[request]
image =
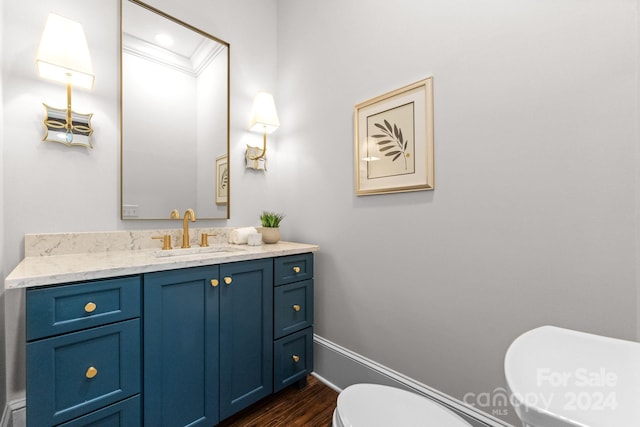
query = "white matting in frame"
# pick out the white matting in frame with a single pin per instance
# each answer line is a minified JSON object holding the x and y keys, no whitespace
{"x":394,"y":141}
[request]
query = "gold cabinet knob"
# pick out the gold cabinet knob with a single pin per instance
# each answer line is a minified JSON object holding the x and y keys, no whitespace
{"x":296,"y":307}
{"x":296,"y":269}
{"x":91,"y":372}
{"x":296,"y":358}
{"x":228,"y":280}
{"x":214,"y":282}
{"x":90,"y":307}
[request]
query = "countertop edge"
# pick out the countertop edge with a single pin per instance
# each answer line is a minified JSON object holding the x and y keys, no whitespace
{"x":51,"y":270}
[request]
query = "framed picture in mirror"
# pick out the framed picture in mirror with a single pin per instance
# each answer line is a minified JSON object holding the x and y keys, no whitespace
{"x":222,"y":180}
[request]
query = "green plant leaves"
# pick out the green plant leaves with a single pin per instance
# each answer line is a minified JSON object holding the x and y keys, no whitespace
{"x":271,"y":219}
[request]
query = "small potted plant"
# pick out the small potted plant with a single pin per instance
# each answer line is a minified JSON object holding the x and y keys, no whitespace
{"x":271,"y":226}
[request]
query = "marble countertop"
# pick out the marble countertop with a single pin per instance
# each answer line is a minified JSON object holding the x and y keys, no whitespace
{"x":72,"y":267}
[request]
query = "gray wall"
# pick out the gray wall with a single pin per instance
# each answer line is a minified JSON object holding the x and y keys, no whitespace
{"x":638,"y":176}
{"x":533,"y":220}
{"x":3,"y":365}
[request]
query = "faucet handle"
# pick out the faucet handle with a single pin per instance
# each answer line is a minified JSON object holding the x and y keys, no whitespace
{"x":204,"y":242}
{"x":166,"y":241}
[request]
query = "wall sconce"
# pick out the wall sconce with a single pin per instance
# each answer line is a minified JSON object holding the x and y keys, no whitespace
{"x":263,"y":119}
{"x":63,"y":56}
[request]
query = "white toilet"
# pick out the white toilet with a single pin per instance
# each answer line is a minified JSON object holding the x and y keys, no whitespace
{"x":563,"y":378}
{"x":373,"y":405}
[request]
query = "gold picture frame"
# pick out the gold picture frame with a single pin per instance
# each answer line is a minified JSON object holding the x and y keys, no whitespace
{"x":222,"y":180}
{"x":393,"y":137}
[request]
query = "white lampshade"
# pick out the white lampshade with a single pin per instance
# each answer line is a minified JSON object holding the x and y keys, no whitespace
{"x":63,"y":55}
{"x":264,"y":117}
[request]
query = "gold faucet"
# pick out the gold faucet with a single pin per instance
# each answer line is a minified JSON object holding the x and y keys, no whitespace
{"x":188,"y":214}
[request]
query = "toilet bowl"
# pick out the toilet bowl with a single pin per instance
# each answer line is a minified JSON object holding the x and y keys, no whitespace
{"x":563,"y":378}
{"x":373,"y":405}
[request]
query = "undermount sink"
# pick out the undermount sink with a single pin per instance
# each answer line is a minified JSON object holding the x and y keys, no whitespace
{"x":196,"y":251}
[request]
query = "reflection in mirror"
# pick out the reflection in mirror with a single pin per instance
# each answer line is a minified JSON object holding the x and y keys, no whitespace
{"x":175,"y":117}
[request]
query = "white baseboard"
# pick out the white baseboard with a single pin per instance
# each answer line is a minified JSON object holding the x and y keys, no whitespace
{"x":339,"y":367}
{"x":326,"y":382}
{"x":14,"y":414}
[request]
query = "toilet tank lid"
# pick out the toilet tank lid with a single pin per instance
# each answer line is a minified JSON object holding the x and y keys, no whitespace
{"x":562,"y":377}
{"x":374,"y":405}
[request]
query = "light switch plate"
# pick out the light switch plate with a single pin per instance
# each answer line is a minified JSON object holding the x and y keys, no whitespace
{"x":129,"y":211}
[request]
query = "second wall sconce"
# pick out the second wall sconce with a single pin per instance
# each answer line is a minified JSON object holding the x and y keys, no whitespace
{"x":63,"y":56}
{"x":264,"y":119}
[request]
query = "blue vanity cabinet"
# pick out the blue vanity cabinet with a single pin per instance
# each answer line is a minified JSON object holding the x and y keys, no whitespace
{"x":208,"y":340}
{"x":246,"y":334}
{"x":185,"y":347}
{"x":181,"y":336}
{"x":83,"y":352}
{"x":293,"y":320}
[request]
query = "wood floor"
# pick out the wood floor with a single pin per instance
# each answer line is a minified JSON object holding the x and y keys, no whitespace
{"x":311,"y":406}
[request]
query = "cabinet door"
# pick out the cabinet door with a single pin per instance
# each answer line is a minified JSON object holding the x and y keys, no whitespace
{"x":293,"y":268}
{"x":181,"y":347}
{"x":61,"y":309}
{"x":246,"y":334}
{"x":293,"y":358}
{"x":293,"y":308}
{"x":121,"y":414}
{"x":73,"y":374}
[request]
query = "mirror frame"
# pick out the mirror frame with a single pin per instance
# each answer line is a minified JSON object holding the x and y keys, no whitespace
{"x":204,"y":34}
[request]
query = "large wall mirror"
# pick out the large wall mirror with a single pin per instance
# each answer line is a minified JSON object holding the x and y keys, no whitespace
{"x":174,"y":117}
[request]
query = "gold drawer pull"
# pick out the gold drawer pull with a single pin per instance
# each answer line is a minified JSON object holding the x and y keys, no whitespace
{"x":296,"y":358}
{"x":228,"y":280}
{"x":296,"y":307}
{"x":91,"y":372}
{"x":296,"y":269}
{"x":214,"y":282}
{"x":90,"y":307}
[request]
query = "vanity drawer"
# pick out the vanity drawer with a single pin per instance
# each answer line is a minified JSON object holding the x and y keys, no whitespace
{"x":122,"y":414}
{"x":292,"y":268}
{"x":68,"y":308}
{"x":293,"y":358}
{"x":293,"y":307}
{"x":71,"y":375}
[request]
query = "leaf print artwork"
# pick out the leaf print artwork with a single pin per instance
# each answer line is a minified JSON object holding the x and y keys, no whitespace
{"x":391,"y":142}
{"x":224,"y":179}
{"x":392,"y":139}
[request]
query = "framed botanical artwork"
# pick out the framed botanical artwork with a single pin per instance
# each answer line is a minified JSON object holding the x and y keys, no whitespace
{"x":222,"y":180}
{"x":394,"y":141}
